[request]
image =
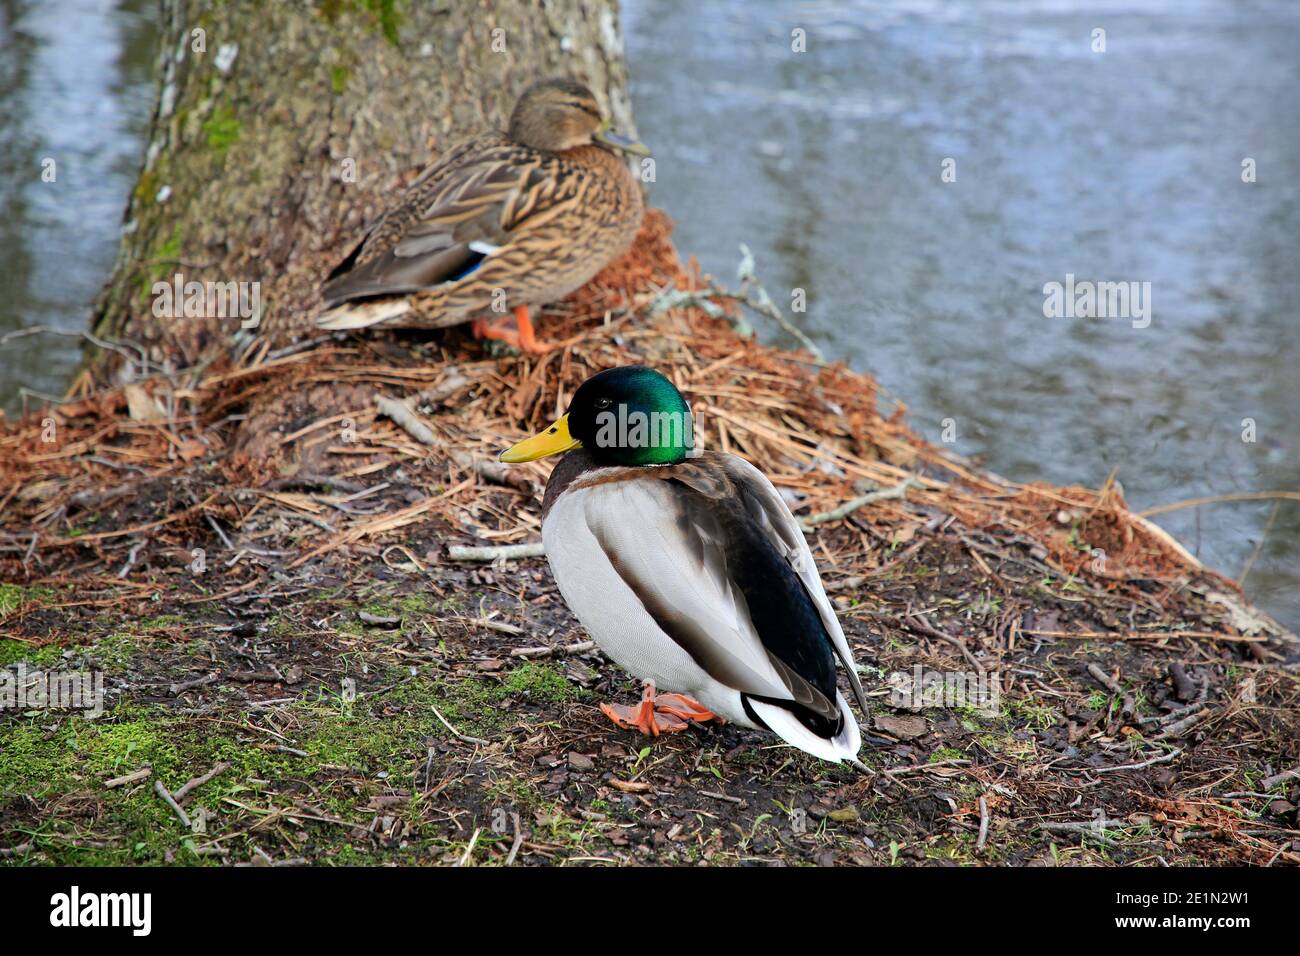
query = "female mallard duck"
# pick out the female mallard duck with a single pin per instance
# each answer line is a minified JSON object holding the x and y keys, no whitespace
{"x":505,"y":220}
{"x":689,"y":570}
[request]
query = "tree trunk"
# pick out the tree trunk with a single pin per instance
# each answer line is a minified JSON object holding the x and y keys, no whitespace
{"x":282,"y":128}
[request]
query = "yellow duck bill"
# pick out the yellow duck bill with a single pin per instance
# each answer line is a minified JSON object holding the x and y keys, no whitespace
{"x":552,"y":441}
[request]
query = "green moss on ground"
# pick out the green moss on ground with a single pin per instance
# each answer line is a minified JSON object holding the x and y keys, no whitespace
{"x":356,"y":750}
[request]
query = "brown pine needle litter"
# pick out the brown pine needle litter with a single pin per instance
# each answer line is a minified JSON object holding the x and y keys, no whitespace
{"x":816,"y":431}
{"x":254,"y":480}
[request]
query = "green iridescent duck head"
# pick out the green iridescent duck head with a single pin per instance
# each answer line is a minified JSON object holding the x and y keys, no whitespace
{"x":623,"y":416}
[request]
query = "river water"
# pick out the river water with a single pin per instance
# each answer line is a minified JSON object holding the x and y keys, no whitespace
{"x":1114,"y":165}
{"x":76,"y":87}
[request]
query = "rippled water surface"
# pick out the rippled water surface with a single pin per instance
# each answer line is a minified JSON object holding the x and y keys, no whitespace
{"x":1122,"y":165}
{"x":76,"y":87}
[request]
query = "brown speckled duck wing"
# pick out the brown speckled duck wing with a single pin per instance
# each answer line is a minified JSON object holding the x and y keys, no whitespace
{"x":585,"y":211}
{"x":457,"y":212}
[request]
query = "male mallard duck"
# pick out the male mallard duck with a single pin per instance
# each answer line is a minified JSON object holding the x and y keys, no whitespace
{"x":504,"y":220}
{"x":689,"y":570}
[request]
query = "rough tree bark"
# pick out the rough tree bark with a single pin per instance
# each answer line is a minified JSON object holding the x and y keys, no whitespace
{"x":281,"y":128}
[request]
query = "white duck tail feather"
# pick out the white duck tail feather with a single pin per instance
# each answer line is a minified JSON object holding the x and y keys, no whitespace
{"x":360,"y":315}
{"x":844,"y":746}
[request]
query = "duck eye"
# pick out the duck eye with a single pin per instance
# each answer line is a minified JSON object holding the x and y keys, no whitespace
{"x":603,"y":403}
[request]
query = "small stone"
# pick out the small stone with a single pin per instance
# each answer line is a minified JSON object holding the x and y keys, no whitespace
{"x":904,"y":727}
{"x":579,"y":761}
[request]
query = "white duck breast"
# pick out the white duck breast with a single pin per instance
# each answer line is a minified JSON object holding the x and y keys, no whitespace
{"x":697,"y":577}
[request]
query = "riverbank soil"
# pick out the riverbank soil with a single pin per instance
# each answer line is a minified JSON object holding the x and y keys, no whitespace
{"x":297,"y":671}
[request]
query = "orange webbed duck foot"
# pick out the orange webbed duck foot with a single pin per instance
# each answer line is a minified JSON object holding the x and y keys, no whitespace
{"x":522,"y":336}
{"x":662,"y":714}
{"x":687,"y":708}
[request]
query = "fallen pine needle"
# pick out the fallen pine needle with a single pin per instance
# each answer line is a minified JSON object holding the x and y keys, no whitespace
{"x":1217,"y":499}
{"x":1143,"y":636}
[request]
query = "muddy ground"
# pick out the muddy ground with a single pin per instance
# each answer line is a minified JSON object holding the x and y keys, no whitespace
{"x":368,"y":711}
